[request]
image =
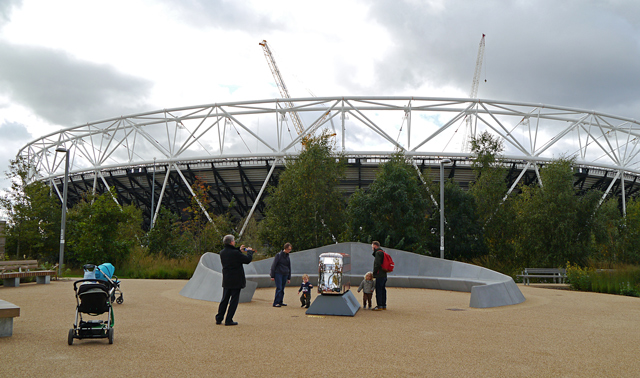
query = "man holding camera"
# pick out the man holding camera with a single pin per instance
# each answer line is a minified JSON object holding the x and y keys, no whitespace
{"x":233,"y":279}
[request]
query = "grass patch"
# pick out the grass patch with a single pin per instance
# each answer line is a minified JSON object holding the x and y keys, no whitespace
{"x":143,"y":265}
{"x":621,"y":280}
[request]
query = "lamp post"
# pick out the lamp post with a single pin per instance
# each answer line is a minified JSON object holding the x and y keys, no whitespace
{"x":442,"y":163}
{"x":64,"y":207}
{"x":153,"y":195}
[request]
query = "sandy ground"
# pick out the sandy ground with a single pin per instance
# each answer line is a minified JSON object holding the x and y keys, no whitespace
{"x":555,"y":333}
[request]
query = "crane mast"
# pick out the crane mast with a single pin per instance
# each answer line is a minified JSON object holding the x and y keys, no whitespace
{"x":476,"y":75}
{"x":284,"y":92}
{"x":468,"y":132}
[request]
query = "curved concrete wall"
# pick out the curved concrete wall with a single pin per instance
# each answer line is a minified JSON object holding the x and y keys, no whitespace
{"x":488,"y":288}
{"x":206,"y":283}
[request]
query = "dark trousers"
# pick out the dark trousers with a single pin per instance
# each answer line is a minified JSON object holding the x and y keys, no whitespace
{"x":366,"y":297}
{"x":305,"y":299}
{"x":381,"y":292}
{"x":230,"y":297}
{"x":281,"y":282}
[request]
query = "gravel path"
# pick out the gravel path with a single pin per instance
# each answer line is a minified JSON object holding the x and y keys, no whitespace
{"x":555,"y":333}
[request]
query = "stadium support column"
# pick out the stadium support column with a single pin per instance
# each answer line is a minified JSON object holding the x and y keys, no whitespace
{"x":257,"y":200}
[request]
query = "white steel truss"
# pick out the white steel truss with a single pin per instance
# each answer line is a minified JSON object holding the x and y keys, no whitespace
{"x":422,"y":127}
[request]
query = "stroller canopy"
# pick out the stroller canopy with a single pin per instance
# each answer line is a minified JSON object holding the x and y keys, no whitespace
{"x":107,"y":269}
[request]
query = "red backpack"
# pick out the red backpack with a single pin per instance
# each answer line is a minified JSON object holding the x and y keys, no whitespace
{"x":387,"y":263}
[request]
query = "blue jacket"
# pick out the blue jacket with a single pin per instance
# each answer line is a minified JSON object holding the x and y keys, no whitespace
{"x":305,"y":288}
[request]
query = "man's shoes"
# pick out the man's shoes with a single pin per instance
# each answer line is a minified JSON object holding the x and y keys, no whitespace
{"x":307,"y":306}
{"x":276,"y":305}
{"x":283,"y":304}
{"x":379,"y":308}
{"x":302,"y":305}
{"x":218,"y":323}
{"x":231,"y":323}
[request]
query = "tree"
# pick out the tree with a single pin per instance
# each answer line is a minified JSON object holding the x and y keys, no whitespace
{"x":489,"y":186}
{"x":201,"y":234}
{"x":463,"y":230}
{"x":196,"y":235}
{"x":33,"y":216}
{"x":306,"y":208}
{"x":610,"y":234}
{"x":555,"y":224}
{"x":165,"y":238}
{"x":100,"y":231}
{"x":629,"y":251}
{"x":393,"y":209}
{"x":494,"y":214}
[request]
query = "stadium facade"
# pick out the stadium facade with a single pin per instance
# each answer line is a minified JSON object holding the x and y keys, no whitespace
{"x":239,"y":148}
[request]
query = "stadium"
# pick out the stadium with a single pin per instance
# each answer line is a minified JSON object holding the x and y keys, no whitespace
{"x":239,"y":148}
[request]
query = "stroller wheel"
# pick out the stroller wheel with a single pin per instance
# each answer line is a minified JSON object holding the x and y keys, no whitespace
{"x":70,"y":339}
{"x":110,"y":334}
{"x":120,"y":299}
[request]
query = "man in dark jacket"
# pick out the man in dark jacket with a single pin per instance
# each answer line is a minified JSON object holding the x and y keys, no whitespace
{"x":381,"y":277}
{"x":281,"y":274}
{"x":233,"y":279}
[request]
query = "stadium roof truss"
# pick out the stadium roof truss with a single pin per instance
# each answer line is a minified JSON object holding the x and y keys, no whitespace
{"x":237,"y":148}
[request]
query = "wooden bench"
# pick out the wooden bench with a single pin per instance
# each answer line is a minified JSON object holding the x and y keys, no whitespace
{"x":12,"y":271}
{"x":8,"y":311}
{"x":558,"y":275}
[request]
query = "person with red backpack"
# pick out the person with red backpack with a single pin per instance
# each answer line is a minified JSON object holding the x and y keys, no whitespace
{"x":380,"y":275}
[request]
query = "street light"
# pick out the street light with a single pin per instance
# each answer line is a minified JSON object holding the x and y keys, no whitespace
{"x":64,"y":207}
{"x":442,"y":163}
{"x":153,"y":195}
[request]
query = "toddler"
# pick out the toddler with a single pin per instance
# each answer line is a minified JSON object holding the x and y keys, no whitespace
{"x":367,"y":286}
{"x":305,"y":288}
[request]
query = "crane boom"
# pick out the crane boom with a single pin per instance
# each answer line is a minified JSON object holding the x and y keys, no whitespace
{"x":468,"y":131}
{"x":284,"y":92}
{"x":476,"y":75}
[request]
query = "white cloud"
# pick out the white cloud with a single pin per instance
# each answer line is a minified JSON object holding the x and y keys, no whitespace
{"x":67,"y":62}
{"x":14,"y":137}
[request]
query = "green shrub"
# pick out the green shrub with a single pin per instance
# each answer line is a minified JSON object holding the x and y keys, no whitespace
{"x":623,"y":280}
{"x":579,"y":278}
{"x":143,"y":265}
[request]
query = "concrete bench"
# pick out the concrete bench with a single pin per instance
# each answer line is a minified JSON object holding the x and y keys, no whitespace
{"x":25,"y":268}
{"x":8,"y":311}
{"x":558,"y":275}
{"x":422,"y":282}
{"x":487,"y":288}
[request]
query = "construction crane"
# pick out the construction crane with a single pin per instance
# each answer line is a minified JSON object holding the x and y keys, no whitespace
{"x":473,"y":94}
{"x":284,"y":92}
{"x":476,"y":75}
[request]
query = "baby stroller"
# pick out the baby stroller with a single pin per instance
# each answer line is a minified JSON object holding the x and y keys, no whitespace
{"x":92,"y":298}
{"x":104,"y":273}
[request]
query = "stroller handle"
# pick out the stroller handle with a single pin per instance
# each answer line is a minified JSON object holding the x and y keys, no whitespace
{"x":75,"y":284}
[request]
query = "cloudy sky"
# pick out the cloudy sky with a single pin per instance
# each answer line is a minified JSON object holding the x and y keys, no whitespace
{"x":68,"y":62}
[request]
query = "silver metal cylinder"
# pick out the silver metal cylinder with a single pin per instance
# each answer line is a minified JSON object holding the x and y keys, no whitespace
{"x":334,"y":271}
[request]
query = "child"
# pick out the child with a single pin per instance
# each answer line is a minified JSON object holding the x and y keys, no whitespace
{"x":305,"y":287}
{"x":367,"y":286}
